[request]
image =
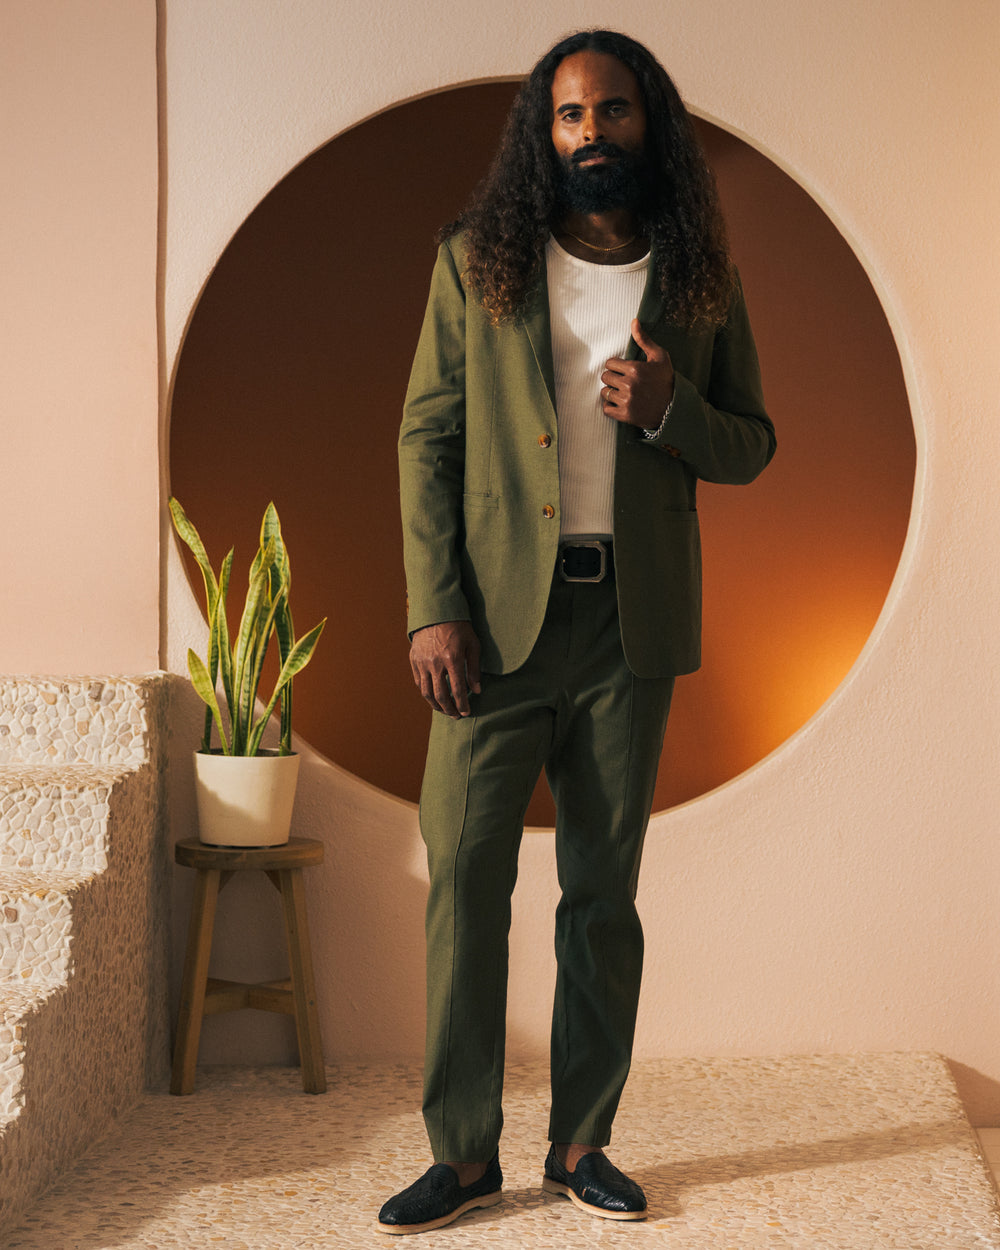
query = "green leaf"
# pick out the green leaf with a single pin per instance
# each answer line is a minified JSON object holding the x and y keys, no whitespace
{"x":251,"y":744}
{"x":189,"y":535}
{"x":251,"y":644}
{"x":301,"y":654}
{"x":270,"y":527}
{"x":206,"y":691}
{"x":218,"y":610}
{"x":281,"y":577}
{"x":299,"y":657}
{"x":221,"y":633}
{"x":285,"y":740}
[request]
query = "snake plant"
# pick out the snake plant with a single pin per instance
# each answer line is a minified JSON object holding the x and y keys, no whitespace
{"x":239,"y":663}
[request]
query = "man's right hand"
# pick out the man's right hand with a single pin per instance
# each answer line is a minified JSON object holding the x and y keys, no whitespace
{"x":445,"y":663}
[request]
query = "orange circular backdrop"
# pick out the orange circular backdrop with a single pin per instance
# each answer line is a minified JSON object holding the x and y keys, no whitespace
{"x":290,"y":385}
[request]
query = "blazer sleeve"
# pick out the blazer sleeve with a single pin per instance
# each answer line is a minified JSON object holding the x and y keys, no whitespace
{"x":432,"y":455}
{"x":722,"y":430}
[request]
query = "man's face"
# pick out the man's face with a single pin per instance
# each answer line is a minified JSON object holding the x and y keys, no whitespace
{"x":598,"y":132}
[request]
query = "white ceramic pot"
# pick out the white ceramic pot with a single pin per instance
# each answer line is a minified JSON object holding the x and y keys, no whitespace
{"x":245,"y":800}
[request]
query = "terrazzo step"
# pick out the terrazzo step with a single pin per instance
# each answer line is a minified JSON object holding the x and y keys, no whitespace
{"x":54,"y":817}
{"x":36,"y":922}
{"x":40,"y":920}
{"x":75,"y":720}
{"x":55,"y":824}
{"x":19,"y":1003}
{"x":83,"y":1024}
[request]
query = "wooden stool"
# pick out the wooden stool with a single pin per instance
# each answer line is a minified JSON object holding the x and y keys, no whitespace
{"x":202,"y":995}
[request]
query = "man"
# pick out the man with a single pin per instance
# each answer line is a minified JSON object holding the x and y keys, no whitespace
{"x":585,"y":358}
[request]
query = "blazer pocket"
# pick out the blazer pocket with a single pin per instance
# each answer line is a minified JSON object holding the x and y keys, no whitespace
{"x":679,"y":539}
{"x":478,"y":502}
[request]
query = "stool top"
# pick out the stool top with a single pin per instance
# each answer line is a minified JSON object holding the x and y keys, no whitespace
{"x":295,"y":853}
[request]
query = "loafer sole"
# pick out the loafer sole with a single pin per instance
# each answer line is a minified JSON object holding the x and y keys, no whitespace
{"x":557,"y":1187}
{"x":486,"y":1200}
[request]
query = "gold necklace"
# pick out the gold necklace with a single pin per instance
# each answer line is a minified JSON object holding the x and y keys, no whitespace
{"x":594,"y":247}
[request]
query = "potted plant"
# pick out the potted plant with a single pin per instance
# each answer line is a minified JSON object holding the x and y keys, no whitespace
{"x":245,"y":792}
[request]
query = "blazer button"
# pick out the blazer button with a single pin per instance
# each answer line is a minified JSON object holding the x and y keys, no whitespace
{"x":548,"y":512}
{"x":544,"y":440}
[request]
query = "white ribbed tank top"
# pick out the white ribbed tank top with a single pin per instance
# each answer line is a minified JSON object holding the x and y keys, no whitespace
{"x":590,"y":310}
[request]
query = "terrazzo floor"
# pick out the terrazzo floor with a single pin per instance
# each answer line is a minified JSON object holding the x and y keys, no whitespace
{"x":818,"y":1153}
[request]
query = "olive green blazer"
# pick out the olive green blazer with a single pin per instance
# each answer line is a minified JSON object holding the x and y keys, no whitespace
{"x":479,"y":475}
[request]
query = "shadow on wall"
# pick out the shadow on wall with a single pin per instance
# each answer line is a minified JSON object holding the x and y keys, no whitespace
{"x":293,"y":373}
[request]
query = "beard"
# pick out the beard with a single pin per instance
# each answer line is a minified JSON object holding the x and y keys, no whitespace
{"x":623,"y":183}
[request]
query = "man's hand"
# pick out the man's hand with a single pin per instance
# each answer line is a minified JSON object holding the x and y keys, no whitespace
{"x":445,"y":663}
{"x":638,"y":392}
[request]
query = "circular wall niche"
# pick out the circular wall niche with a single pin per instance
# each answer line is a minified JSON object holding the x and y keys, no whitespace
{"x":290,"y":384}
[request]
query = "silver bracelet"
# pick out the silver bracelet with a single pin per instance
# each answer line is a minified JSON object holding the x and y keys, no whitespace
{"x":651,"y":434}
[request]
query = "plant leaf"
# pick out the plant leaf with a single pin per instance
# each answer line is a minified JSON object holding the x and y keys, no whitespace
{"x":299,"y":657}
{"x":221,"y":633}
{"x":251,"y":644}
{"x":206,"y":691}
{"x":281,"y":576}
{"x":270,"y":527}
{"x":254,"y":679}
{"x":189,"y":535}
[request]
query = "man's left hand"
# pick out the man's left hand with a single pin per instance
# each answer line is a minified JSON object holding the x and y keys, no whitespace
{"x":638,"y":392}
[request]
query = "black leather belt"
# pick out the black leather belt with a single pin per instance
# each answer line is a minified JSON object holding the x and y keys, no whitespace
{"x":585,"y":560}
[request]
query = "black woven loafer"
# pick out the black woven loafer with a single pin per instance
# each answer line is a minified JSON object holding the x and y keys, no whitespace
{"x":596,"y":1186}
{"x":437,"y":1199}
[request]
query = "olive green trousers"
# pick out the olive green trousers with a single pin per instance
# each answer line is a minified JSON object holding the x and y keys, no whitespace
{"x":577,"y":710}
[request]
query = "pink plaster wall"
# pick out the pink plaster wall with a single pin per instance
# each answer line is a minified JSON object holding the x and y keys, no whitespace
{"x":78,"y":361}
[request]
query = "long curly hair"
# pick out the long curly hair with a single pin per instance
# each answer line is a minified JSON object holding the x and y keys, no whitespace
{"x":510,"y":215}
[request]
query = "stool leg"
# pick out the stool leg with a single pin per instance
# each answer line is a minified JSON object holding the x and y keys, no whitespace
{"x":192,"y":1008}
{"x":293,"y":900}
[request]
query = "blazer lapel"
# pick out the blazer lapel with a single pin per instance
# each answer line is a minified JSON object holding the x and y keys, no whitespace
{"x":535,"y":320}
{"x":650,"y":309}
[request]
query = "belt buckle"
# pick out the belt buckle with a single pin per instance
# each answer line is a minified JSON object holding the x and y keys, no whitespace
{"x":596,"y":545}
